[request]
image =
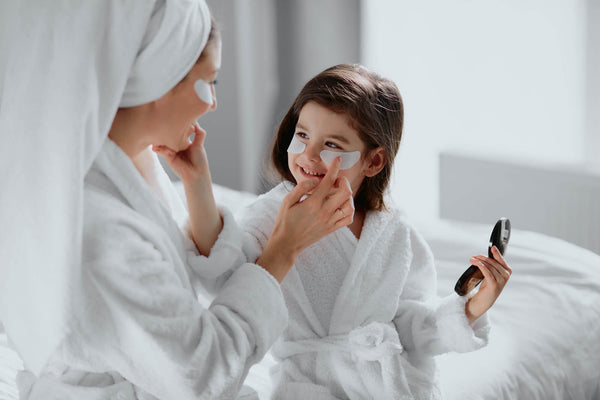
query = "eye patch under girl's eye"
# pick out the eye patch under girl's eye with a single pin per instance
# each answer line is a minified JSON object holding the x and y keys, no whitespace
{"x":348,"y":158}
{"x":296,"y":146}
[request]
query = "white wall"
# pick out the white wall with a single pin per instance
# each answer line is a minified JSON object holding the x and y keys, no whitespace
{"x":503,"y":78}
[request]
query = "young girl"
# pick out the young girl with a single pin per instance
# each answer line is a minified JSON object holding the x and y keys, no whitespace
{"x":364,"y":319}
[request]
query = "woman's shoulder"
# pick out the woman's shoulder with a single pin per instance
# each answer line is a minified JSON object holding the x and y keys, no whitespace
{"x":108,"y":217}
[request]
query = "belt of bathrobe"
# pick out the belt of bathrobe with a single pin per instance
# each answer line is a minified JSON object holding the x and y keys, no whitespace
{"x":383,"y":346}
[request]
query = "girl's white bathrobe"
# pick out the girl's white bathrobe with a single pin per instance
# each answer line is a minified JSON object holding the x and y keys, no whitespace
{"x":371,"y":327}
{"x":141,"y":332}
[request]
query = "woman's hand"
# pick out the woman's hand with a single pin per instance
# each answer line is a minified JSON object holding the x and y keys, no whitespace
{"x":191,"y":164}
{"x":300,"y":223}
{"x":496,"y":273}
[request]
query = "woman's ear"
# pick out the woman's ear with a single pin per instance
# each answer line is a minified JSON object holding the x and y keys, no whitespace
{"x":376,"y":160}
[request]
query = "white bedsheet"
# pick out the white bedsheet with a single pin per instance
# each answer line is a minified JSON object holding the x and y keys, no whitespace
{"x":545,"y":339}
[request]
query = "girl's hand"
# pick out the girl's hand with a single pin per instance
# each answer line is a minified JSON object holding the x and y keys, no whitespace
{"x":496,"y":273}
{"x":190,"y":164}
{"x":300,"y":223}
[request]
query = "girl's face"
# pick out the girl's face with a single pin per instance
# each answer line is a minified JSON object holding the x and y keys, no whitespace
{"x":177,"y":110}
{"x":319,"y":129}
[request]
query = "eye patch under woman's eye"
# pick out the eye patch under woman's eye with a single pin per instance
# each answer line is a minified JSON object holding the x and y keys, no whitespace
{"x":204,"y":91}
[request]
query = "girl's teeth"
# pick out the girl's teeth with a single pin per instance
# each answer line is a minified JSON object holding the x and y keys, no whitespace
{"x":311,"y":173}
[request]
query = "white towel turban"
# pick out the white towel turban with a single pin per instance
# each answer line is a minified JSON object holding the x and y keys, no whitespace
{"x":65,"y":68}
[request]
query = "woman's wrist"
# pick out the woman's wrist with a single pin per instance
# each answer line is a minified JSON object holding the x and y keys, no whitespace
{"x":277,"y":259}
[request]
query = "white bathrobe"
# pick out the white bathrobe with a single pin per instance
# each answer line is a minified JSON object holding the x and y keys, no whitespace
{"x":382,"y":324}
{"x":141,"y":332}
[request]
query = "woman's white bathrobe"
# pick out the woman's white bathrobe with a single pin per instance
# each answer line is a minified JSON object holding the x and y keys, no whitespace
{"x":141,"y":331}
{"x":386,"y":323}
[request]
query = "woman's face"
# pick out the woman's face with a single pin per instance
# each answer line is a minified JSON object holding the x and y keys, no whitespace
{"x":319,"y":129}
{"x":178,"y":110}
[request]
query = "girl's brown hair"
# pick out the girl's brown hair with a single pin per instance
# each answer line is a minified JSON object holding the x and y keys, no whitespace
{"x":375,"y":109}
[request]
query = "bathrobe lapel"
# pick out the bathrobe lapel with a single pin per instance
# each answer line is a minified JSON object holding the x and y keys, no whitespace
{"x":306,"y":323}
{"x":160,"y":205}
{"x":370,"y":289}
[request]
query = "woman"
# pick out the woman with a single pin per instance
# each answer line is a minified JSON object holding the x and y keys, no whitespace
{"x":138,"y":330}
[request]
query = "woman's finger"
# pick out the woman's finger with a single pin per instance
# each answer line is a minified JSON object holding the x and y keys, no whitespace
{"x":347,"y":220}
{"x":328,"y":181}
{"x":299,"y":191}
{"x":340,"y":197}
{"x":163,"y":151}
{"x":345,"y":210}
{"x":199,"y":135}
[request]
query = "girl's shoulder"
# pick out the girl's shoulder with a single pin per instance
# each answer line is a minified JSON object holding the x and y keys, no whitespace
{"x":394,"y":225}
{"x":265,"y":206}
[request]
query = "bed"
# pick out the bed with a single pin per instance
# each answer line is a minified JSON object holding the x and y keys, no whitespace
{"x":545,"y":339}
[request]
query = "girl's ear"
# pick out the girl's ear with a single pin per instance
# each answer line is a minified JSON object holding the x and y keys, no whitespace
{"x":376,"y":160}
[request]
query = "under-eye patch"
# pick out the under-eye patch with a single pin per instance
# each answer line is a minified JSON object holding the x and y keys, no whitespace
{"x":348,"y":158}
{"x":296,"y":146}
{"x":204,"y":92}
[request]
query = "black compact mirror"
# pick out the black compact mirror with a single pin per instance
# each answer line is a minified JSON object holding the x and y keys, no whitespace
{"x":472,"y":277}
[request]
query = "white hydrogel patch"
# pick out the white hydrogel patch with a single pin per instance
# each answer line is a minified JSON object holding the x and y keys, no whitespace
{"x":203,"y":91}
{"x":296,"y":146}
{"x":348,"y":158}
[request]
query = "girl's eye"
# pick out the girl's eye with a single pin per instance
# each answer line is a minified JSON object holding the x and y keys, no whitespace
{"x":213,"y":82}
{"x":302,"y":135}
{"x":332,"y":145}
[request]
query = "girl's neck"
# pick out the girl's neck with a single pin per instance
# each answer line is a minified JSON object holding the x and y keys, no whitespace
{"x":357,"y":224}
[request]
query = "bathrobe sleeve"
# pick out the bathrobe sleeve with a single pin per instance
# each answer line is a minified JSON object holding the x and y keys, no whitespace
{"x":227,"y":254}
{"x":138,"y":318}
{"x":427,"y":324}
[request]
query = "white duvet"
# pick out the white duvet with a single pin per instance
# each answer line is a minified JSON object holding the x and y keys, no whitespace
{"x":545,"y":338}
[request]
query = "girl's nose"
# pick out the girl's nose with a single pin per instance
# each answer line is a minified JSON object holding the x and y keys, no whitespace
{"x":313,"y":152}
